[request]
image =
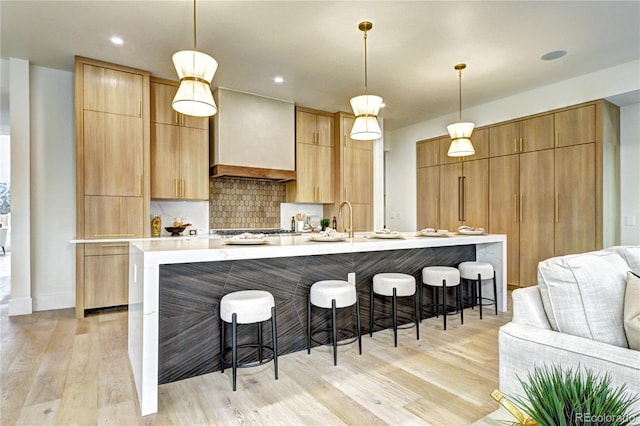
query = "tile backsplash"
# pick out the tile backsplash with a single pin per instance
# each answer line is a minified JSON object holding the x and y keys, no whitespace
{"x":245,"y":203}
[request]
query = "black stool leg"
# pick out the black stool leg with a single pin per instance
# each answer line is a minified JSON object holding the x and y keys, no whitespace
{"x":459,"y":303}
{"x":308,"y":325}
{"x":434,"y":300}
{"x":234,"y":348}
{"x":480,"y":294}
{"x":334,"y":331}
{"x":274,"y":337}
{"x":371,"y":312}
{"x":417,"y":309}
{"x":222,"y":327}
{"x":495,"y":292}
{"x":421,"y":303}
{"x":358,"y":326}
{"x":395,"y":318}
{"x":260,"y":341}
{"x":444,"y":303}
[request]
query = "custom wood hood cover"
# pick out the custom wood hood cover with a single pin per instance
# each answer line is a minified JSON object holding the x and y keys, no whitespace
{"x":252,"y":136}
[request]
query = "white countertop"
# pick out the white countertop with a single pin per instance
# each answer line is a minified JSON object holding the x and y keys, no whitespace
{"x":181,"y":250}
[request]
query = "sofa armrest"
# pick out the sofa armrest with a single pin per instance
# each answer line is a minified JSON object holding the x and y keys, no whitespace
{"x":528,"y":307}
{"x":522,"y":346}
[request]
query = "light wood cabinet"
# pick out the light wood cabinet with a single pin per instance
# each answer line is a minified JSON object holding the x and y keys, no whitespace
{"x":547,"y":186}
{"x":575,"y":203}
{"x":112,"y":177}
{"x":106,"y":281}
{"x":532,"y":134}
{"x":353,"y":181}
{"x":162,"y":94}
{"x":179,"y":148}
{"x":575,"y":126}
{"x":179,"y":162}
{"x":113,"y":154}
{"x":428,"y":182}
{"x":314,"y":158}
{"x":464,"y":194}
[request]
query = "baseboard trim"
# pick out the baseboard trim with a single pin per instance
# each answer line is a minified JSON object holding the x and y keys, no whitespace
{"x":20,"y":306}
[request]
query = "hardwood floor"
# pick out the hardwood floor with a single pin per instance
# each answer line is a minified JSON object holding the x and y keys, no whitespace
{"x":56,"y":369}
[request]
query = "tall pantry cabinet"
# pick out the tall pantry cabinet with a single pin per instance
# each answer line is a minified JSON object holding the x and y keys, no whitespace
{"x":353,"y":162}
{"x":112,"y":177}
{"x":552,"y":185}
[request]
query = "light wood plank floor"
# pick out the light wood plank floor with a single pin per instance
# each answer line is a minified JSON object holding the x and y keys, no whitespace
{"x":59,"y":370}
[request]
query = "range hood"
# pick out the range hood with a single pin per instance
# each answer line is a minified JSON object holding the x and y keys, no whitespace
{"x":252,"y":136}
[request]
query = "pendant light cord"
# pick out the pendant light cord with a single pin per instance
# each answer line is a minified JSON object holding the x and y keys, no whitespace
{"x":460,"y":94}
{"x":366,"y":92}
{"x":194,"y":25}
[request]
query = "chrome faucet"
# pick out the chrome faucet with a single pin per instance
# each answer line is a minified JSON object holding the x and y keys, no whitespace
{"x":350,"y":228}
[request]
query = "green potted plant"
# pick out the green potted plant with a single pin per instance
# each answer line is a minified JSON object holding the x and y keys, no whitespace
{"x":555,"y":396}
{"x":324,"y":223}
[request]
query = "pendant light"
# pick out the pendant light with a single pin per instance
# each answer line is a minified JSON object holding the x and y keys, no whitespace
{"x":460,"y":132}
{"x":195,"y":71}
{"x":366,"y":107}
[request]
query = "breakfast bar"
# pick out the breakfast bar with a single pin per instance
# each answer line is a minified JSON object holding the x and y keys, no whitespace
{"x":175,"y":285}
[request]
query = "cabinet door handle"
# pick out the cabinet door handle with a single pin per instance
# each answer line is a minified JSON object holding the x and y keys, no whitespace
{"x":175,"y":187}
{"x":521,"y":198}
{"x":459,"y":198}
{"x":176,"y":118}
{"x":557,"y":205}
{"x":437,"y":158}
{"x":557,"y":141}
{"x":515,"y":208}
{"x":464,"y":181}
{"x":515,"y":145}
{"x":139,"y":107}
{"x":520,"y":144}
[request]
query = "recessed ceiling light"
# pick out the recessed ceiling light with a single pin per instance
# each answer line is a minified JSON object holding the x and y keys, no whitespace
{"x":117,"y":41}
{"x":550,"y":56}
{"x":278,"y":79}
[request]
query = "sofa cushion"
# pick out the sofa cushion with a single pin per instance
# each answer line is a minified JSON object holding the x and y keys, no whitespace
{"x":632,"y":311}
{"x":631,"y":254}
{"x":583,"y":295}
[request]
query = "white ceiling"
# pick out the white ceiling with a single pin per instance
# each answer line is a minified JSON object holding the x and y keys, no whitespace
{"x":317,"y":47}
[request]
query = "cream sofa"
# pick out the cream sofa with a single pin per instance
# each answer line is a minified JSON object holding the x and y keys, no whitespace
{"x":573,"y":317}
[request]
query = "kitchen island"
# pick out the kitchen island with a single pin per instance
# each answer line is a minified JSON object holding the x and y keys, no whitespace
{"x":175,"y":286}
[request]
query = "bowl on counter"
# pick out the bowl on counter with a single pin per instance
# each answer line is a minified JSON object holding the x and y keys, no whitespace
{"x":176,"y":231}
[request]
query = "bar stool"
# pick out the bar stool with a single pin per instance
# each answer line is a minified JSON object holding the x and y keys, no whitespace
{"x":475,"y":273}
{"x":247,"y":307}
{"x":393,"y":285}
{"x":334,"y":294}
{"x":442,"y":277}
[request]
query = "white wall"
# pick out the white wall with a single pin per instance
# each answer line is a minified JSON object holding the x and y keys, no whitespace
{"x":401,"y":157}
{"x":630,"y":174}
{"x":20,"y":302}
{"x":53,"y":185}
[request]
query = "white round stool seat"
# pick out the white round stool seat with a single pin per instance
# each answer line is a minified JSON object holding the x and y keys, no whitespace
{"x":250,"y":306}
{"x":384,"y":284}
{"x":470,"y":270}
{"x":323,"y":292}
{"x":433,"y":276}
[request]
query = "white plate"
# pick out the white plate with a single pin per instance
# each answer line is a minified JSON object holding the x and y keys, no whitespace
{"x":333,"y":238}
{"x":433,"y":234}
{"x":467,"y":232}
{"x":391,"y":235}
{"x":246,"y":241}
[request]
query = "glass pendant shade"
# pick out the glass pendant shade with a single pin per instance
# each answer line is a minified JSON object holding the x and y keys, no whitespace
{"x":366,"y":126}
{"x":195,"y":71}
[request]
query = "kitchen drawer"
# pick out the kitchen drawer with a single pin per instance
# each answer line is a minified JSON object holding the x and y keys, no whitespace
{"x":101,"y":249}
